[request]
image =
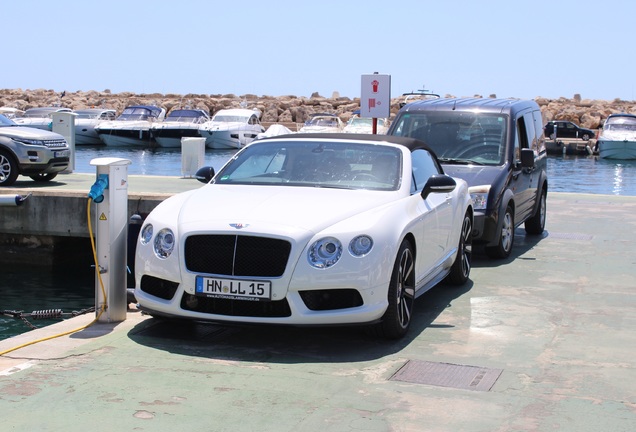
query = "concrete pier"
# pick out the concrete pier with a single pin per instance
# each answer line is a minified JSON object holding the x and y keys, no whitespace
{"x":543,"y":341}
{"x":54,"y":214}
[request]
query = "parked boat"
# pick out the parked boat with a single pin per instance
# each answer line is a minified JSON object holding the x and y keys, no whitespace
{"x":322,"y":123}
{"x":231,"y":128}
{"x":618,"y":137}
{"x":274,"y":130}
{"x":39,"y":118}
{"x":85,"y":122}
{"x":364,"y":125}
{"x":418,"y":95}
{"x":178,"y":124}
{"x":11,"y":113}
{"x":132,"y":127}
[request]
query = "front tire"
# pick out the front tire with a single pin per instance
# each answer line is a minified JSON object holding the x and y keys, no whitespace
{"x":460,"y":271}
{"x":8,"y":169}
{"x":536,"y":224}
{"x":506,"y":237}
{"x":401,"y":295}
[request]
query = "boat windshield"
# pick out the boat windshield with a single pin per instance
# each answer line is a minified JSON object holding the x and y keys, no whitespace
{"x":230,"y":118}
{"x":364,"y":121}
{"x":136,"y":113}
{"x":627,"y":125}
{"x":4,"y":121}
{"x":458,"y":137}
{"x":43,"y":112}
{"x":622,"y":127}
{"x":322,"y":121}
{"x":311,"y":163}
{"x":187,"y":116}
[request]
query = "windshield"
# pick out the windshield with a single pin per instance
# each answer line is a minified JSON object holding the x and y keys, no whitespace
{"x":322,"y":121}
{"x":315,"y":164}
{"x":620,"y":124}
{"x":5,"y":121}
{"x":458,"y":137}
{"x":187,"y":116}
{"x":230,"y":118}
{"x":361,"y":121}
{"x":137,"y":113}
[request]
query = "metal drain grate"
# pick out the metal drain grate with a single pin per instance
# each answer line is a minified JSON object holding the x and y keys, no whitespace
{"x":571,"y":236}
{"x":447,"y":375}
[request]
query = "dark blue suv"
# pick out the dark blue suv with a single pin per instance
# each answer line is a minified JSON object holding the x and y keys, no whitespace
{"x":498,"y":147}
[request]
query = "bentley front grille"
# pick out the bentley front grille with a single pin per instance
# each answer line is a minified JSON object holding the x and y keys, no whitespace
{"x":236,"y":255}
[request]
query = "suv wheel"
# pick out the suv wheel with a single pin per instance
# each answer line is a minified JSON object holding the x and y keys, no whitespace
{"x":43,"y":177}
{"x":506,"y":237}
{"x":536,"y":224}
{"x":8,"y":169}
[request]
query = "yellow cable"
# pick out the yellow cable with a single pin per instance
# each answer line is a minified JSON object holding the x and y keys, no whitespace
{"x":101,"y":284}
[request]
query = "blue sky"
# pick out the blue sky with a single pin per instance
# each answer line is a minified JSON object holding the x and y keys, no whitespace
{"x":275,"y":48}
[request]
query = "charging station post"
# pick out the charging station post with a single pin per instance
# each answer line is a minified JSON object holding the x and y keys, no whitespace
{"x":110,"y":193}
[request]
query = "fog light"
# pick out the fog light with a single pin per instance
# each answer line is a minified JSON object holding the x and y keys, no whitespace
{"x":191,"y":301}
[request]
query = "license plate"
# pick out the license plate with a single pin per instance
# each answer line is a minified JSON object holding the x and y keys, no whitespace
{"x":62,"y":153}
{"x":234,"y":289}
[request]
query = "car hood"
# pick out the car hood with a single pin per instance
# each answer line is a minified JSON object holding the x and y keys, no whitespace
{"x":474,"y":175}
{"x":273,"y":209}
{"x":28,"y":133}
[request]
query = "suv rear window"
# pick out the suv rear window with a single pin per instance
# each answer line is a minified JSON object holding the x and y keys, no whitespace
{"x":461,"y":136}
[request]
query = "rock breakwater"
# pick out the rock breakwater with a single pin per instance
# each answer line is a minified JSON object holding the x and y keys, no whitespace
{"x":287,"y":109}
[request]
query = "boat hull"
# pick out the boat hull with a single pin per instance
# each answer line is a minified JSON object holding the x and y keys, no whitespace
{"x":220,"y":140}
{"x":229,"y":138}
{"x":171,"y":138}
{"x":87,"y":138}
{"x":126,"y":137}
{"x":624,"y":150}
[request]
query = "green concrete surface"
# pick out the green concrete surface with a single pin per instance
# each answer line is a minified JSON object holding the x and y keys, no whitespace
{"x":557,"y":318}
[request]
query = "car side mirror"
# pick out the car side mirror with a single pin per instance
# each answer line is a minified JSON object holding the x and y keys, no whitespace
{"x":527,"y":158}
{"x":204,"y":174}
{"x":440,"y":183}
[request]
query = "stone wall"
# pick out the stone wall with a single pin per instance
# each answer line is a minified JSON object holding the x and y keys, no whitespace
{"x":288,"y":109}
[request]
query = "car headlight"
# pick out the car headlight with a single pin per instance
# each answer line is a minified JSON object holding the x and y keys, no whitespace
{"x":27,"y":141}
{"x":361,"y":245}
{"x":164,"y":243}
{"x":146,"y":234}
{"x":479,"y":195}
{"x":325,"y":252}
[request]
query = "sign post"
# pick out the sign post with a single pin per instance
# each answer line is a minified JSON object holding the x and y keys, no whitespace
{"x":375,"y":97}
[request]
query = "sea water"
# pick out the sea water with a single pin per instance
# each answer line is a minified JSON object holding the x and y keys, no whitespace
{"x":73,"y":289}
{"x":578,"y":174}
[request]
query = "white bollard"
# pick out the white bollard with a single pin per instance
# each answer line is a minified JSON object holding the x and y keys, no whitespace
{"x":110,"y":193}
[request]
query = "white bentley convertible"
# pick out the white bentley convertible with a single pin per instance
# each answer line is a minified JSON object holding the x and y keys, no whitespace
{"x":309,"y":229}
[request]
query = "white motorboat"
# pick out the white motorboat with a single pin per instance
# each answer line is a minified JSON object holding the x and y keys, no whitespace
{"x":618,"y":137}
{"x":85,"y":122}
{"x":322,"y":123}
{"x":178,"y":124}
{"x":418,"y":95}
{"x":132,"y":127}
{"x":274,"y":130}
{"x":364,"y":125}
{"x":231,"y":128}
{"x":39,"y":118}
{"x":11,"y":113}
